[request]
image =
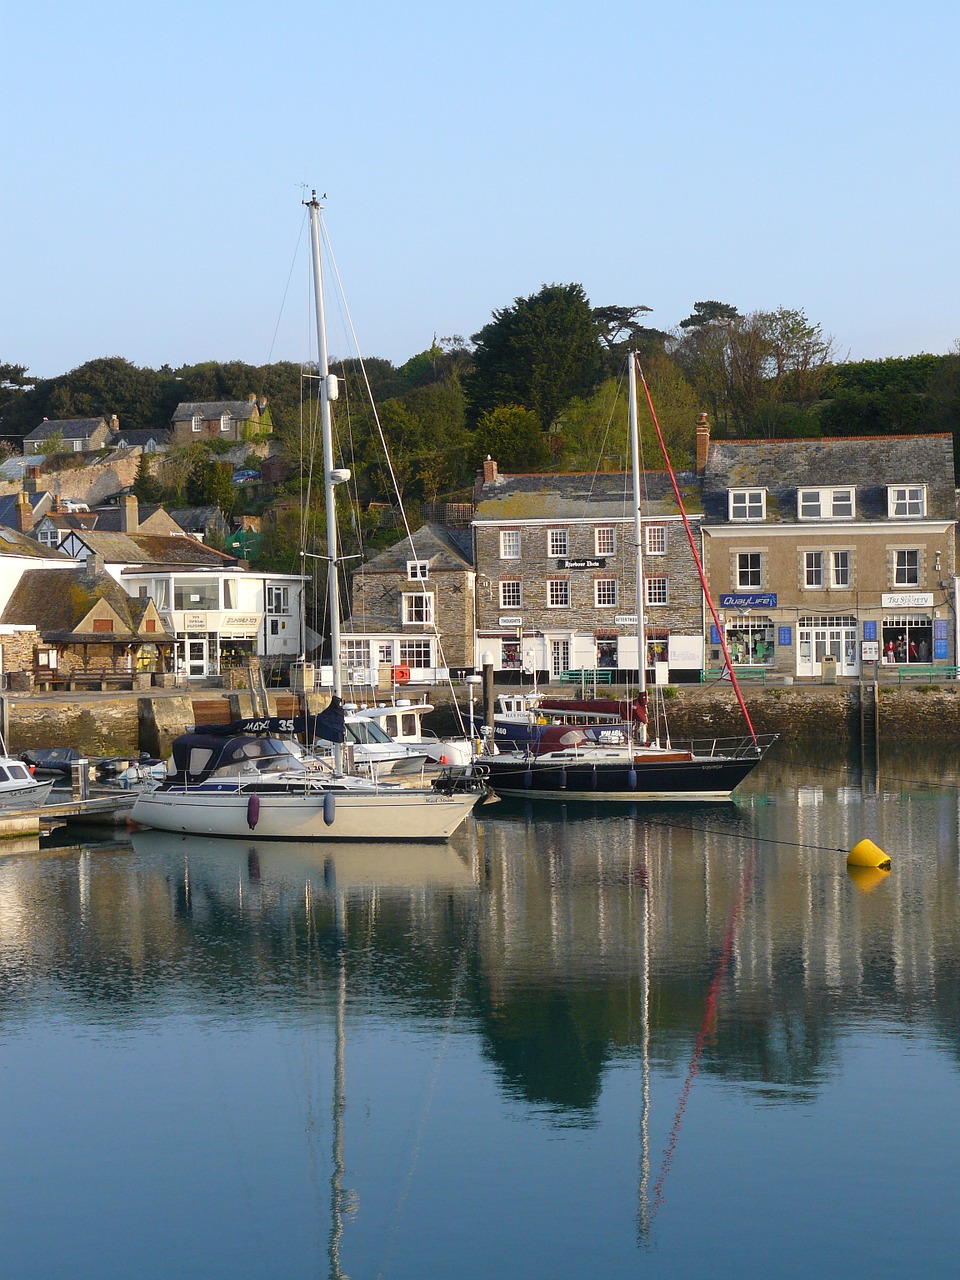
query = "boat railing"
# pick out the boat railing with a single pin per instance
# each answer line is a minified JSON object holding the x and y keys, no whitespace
{"x":738,"y":748}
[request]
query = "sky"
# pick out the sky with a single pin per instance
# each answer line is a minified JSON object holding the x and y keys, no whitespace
{"x":763,"y":153}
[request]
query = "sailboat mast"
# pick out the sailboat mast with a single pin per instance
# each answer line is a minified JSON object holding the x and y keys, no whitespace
{"x":327,"y":393}
{"x":637,"y":522}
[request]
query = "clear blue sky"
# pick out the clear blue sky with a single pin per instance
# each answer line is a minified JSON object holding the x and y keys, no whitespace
{"x":760,"y":152}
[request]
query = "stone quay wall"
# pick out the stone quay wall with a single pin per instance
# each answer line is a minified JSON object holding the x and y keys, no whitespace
{"x":112,"y":724}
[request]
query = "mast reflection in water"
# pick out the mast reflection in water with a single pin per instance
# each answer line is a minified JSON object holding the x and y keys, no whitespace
{"x":570,"y":1043}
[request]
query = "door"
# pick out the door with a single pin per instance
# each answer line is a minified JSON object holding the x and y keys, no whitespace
{"x":835,"y":640}
{"x":559,"y":656}
{"x":196,"y":657}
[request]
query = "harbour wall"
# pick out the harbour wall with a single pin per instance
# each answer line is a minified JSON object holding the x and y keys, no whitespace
{"x":112,"y":724}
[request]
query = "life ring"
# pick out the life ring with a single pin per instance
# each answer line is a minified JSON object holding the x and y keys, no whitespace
{"x":400,"y":675}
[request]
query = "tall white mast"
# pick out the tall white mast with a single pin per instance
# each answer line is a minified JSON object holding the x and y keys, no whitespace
{"x":637,"y":525}
{"x":331,"y":477}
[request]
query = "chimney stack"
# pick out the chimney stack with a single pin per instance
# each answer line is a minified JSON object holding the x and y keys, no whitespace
{"x":93,"y":566}
{"x":129,"y":513}
{"x":490,"y":472}
{"x":703,"y":443}
{"x":24,"y":513}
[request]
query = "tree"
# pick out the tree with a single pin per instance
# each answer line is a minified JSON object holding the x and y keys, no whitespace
{"x":145,"y":485}
{"x":538,"y":354}
{"x":709,"y":313}
{"x":512,"y":436}
{"x":620,"y":331}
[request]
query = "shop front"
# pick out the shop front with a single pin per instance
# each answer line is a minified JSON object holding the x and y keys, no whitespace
{"x":833,"y":636}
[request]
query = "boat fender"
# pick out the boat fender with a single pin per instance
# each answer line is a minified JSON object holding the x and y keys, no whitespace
{"x":563,"y":780}
{"x":253,"y":811}
{"x":632,"y":779}
{"x":329,"y":808}
{"x":528,"y":779}
{"x":866,"y":854}
{"x":593,"y":778}
{"x":444,"y":760}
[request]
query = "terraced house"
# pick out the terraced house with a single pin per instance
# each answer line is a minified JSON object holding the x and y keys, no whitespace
{"x":556,"y":574}
{"x":831,"y":555}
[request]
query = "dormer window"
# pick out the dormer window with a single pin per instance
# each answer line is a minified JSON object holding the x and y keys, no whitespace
{"x":906,"y":500}
{"x":825,"y":504}
{"x":747,"y":504}
{"x":418,"y":570}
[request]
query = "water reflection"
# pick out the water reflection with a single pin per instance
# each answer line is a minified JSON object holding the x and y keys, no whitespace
{"x":724,"y":942}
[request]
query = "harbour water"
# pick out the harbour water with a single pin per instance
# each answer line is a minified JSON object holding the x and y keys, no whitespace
{"x":666,"y":1042}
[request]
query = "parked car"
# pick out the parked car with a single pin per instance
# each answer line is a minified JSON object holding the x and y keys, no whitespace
{"x":245,"y":477}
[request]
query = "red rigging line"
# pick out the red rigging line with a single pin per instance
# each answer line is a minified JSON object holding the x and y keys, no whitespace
{"x":728,"y":665}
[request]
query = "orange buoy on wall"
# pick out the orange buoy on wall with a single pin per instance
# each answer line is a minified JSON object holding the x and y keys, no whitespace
{"x":400,"y":675}
{"x":866,"y":854}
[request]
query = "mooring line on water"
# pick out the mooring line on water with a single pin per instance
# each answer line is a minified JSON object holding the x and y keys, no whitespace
{"x":741,"y":835}
{"x":709,"y":1015}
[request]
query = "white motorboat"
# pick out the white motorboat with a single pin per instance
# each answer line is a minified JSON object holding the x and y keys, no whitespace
{"x":19,"y":789}
{"x":401,"y":723}
{"x":239,"y":782}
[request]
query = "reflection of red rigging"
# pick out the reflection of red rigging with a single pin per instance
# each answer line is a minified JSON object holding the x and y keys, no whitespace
{"x":697,"y":561}
{"x":708,"y":1022}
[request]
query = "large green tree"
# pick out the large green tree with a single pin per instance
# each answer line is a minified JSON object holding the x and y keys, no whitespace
{"x":538,"y":354}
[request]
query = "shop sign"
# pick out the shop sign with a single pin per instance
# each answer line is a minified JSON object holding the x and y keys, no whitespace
{"x":750,"y":600}
{"x":594,"y":563}
{"x":870,"y":650}
{"x":509,"y":621}
{"x":625,"y":620}
{"x":907,"y":600}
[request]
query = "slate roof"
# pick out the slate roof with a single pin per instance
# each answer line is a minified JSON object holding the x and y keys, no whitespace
{"x":40,"y":503}
{"x":13,"y":543}
{"x":431,"y":543}
{"x":198,"y":519}
{"x":56,"y":600}
{"x":68,"y":428}
{"x":160,"y":549}
{"x":868,"y":463}
{"x":143,"y":435}
{"x":210,"y":409}
{"x":606,"y":495}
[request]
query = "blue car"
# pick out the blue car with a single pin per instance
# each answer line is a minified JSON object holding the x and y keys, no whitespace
{"x":245,"y":477}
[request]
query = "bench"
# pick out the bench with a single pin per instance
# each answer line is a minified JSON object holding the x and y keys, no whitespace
{"x":743,"y":674}
{"x":587,"y":677}
{"x":928,"y":671}
{"x":93,"y":679}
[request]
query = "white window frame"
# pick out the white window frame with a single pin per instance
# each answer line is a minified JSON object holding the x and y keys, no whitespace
{"x":78,"y":446}
{"x":558,"y":543}
{"x":911,"y":498}
{"x":656,"y":591}
{"x":415,"y":602}
{"x":511,"y":593}
{"x":813,"y":570}
{"x":606,"y":593}
{"x":752,"y":504}
{"x":827,"y":504}
{"x":905,"y":572}
{"x":509,"y":544}
{"x":418,"y":570}
{"x":278,"y":599}
{"x":655,"y":540}
{"x":196,"y":424}
{"x":558,"y":593}
{"x":749,"y":575}
{"x":226,"y":422}
{"x":840,"y":579}
{"x":605,"y":540}
{"x":417,"y":654}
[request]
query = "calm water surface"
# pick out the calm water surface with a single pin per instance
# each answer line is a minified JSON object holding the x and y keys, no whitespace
{"x":656,"y":1043}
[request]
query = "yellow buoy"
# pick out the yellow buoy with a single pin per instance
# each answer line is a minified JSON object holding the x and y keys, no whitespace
{"x":866,"y":854}
{"x":866,"y":878}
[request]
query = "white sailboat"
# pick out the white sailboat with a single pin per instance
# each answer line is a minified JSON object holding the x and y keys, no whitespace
{"x":246,"y":781}
{"x":582,"y":768}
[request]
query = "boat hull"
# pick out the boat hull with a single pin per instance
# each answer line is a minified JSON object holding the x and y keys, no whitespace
{"x":681,"y":779}
{"x":31,"y":795}
{"x":395,"y":816}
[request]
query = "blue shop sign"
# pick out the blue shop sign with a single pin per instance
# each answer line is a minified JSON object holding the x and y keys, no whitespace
{"x":748,"y":600}
{"x":869,"y":631}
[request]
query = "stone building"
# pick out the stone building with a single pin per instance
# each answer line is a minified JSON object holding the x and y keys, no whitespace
{"x":831,"y":554}
{"x":412,"y":608}
{"x":557,"y":573}
{"x":71,"y":435}
{"x":220,"y":420}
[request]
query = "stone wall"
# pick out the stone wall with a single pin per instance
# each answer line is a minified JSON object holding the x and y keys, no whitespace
{"x":90,"y":483}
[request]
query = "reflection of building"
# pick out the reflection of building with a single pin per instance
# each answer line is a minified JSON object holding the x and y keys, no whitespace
{"x":823,"y":552}
{"x":556,"y":574}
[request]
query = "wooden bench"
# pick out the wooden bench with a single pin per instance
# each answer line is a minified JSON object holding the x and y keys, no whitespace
{"x":743,"y":674}
{"x":94,"y":679}
{"x":587,"y":677}
{"x":928,"y":671}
